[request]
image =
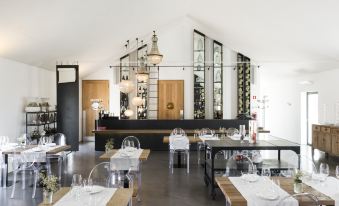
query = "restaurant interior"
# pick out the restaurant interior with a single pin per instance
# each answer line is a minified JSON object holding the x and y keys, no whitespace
{"x":169,"y":102}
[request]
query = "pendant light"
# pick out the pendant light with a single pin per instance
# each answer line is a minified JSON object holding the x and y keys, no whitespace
{"x":129,"y":113}
{"x":142,"y":73}
{"x":154,"y":57}
{"x":126,"y":86}
{"x":137,"y":101}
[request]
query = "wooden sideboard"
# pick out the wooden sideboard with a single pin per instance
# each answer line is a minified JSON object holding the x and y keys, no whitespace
{"x":326,"y":139}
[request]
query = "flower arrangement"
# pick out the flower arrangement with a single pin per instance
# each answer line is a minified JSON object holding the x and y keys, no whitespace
{"x":109,"y":145}
{"x":297,"y":177}
{"x":49,"y":183}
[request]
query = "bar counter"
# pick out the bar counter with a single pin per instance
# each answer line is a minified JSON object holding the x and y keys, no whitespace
{"x":151,"y":132}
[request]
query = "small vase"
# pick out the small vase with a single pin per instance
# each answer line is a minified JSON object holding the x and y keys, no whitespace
{"x":107,"y":150}
{"x":298,"y":188}
{"x":48,"y":197}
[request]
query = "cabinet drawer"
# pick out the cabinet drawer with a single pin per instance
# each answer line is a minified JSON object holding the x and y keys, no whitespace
{"x":335,"y":131}
{"x":325,"y":129}
{"x":316,"y":128}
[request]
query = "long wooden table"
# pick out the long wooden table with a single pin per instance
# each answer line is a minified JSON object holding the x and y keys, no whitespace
{"x":228,"y":144}
{"x":19,"y":150}
{"x":235,"y":198}
{"x":107,"y":155}
{"x":191,"y":139}
{"x":121,"y":197}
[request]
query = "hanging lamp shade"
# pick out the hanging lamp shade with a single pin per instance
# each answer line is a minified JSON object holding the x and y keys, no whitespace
{"x":129,"y":113}
{"x":154,"y":57}
{"x":137,"y":101}
{"x":126,"y":86}
{"x":142,"y":73}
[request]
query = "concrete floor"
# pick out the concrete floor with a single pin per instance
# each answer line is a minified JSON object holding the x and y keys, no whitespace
{"x":159,"y":186}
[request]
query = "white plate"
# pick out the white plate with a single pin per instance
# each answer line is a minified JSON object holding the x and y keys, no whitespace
{"x":250,"y":177}
{"x":267,"y":195}
{"x":96,"y":189}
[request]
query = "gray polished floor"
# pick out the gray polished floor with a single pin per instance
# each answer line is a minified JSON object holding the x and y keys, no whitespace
{"x":159,"y":186}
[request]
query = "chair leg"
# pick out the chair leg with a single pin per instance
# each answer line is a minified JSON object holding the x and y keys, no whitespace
{"x":188,"y":162}
{"x":172,"y":157}
{"x":60,"y":167}
{"x":139,"y":183}
{"x":14,"y":183}
{"x":23,"y":177}
{"x":35,"y":182}
{"x":198,"y":152}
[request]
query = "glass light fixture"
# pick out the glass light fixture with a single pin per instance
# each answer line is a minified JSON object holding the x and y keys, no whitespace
{"x":142,"y":73}
{"x":154,"y":57}
{"x":126,"y":86}
{"x":129,"y":113}
{"x":137,"y":101}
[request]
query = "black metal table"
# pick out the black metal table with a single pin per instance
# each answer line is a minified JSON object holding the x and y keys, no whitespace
{"x":228,"y":144}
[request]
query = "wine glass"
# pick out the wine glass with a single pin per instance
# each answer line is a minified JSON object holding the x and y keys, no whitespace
{"x":324,"y":171}
{"x":266,"y":172}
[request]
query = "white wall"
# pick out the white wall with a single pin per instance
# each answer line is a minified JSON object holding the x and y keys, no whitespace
{"x":17,"y":82}
{"x":283,"y":117}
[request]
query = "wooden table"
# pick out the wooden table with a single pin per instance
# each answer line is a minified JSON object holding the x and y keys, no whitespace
{"x":228,"y":144}
{"x":121,"y":197}
{"x":191,"y":139}
{"x":19,"y":150}
{"x":234,"y":197}
{"x":107,"y":155}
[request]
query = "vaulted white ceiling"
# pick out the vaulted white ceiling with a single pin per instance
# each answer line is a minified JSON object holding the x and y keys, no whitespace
{"x":298,"y":35}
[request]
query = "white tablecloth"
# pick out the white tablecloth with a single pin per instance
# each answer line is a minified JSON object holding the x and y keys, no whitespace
{"x":124,"y":160}
{"x":330,"y":187}
{"x":264,"y":184}
{"x":38,"y":154}
{"x":85,"y":199}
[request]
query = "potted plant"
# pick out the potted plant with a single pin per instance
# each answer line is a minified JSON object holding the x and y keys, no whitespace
{"x":298,"y":185}
{"x":109,"y":145}
{"x":49,"y":184}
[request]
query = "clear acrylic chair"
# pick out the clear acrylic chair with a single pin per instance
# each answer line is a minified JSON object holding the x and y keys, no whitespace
{"x":231,"y":131}
{"x":61,"y":157}
{"x":130,"y":141}
{"x":23,"y":162}
{"x":106,"y":175}
{"x":307,"y":198}
{"x":178,"y":144}
{"x":206,"y":133}
{"x":239,"y":164}
{"x":178,"y":132}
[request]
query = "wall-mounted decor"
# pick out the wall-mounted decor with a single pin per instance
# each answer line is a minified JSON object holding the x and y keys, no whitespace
{"x":217,"y":80}
{"x":124,"y":75}
{"x":199,"y":74}
{"x":244,"y":84}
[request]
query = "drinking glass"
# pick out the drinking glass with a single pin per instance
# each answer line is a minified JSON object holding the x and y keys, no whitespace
{"x":337,"y":171}
{"x":88,"y":185}
{"x":266,"y":172}
{"x":76,"y":185}
{"x":242,"y":131}
{"x":324,"y":170}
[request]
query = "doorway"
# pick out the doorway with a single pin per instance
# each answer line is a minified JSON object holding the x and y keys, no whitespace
{"x":311,"y":114}
{"x":171,"y":99}
{"x":93,"y":89}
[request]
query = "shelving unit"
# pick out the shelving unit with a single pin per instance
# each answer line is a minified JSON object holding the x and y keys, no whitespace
{"x":124,"y":75}
{"x":244,"y":84}
{"x":36,"y":121}
{"x":142,"y":88}
{"x":199,"y":74}
{"x":217,"y":80}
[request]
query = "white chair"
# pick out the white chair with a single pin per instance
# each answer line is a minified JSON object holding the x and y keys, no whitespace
{"x":231,"y":131}
{"x":239,"y":164}
{"x":307,"y":198}
{"x":104,"y":174}
{"x":204,"y":133}
{"x":178,"y":143}
{"x":132,"y":141}
{"x":178,"y":132}
{"x":61,"y":157}
{"x":25,"y":162}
